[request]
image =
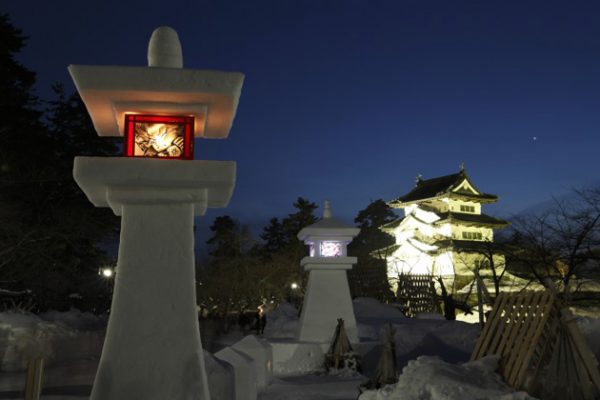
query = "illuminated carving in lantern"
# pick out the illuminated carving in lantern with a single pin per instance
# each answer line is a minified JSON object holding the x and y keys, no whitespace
{"x":159,"y":136}
{"x":331,"y":249}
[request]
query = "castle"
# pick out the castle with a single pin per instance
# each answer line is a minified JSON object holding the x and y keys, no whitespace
{"x":443,"y":232}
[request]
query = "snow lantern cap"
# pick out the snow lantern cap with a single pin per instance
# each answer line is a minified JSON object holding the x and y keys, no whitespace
{"x":164,"y":48}
{"x":328,"y":228}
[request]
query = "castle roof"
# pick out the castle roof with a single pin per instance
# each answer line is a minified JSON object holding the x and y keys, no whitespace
{"x":455,"y":185}
{"x":471,"y":219}
{"x":467,"y":246}
{"x":390,"y":226}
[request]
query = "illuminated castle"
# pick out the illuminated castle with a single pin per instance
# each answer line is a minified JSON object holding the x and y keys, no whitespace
{"x":443,"y":232}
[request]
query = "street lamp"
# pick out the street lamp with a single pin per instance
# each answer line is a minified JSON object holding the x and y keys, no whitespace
{"x":106,"y":272}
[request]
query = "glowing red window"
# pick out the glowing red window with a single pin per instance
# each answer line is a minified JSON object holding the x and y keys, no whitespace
{"x":159,"y":136}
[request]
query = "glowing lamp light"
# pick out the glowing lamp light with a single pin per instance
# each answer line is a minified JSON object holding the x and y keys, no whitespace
{"x":159,"y":136}
{"x":106,"y":272}
{"x":294,"y":286}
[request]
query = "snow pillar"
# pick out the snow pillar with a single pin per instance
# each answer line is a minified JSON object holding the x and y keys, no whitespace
{"x":327,"y":298}
{"x":327,"y":295}
{"x":152,"y":349}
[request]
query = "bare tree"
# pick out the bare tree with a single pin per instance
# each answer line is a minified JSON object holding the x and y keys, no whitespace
{"x":559,"y":243}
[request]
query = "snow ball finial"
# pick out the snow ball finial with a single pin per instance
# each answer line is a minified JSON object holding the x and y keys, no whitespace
{"x":327,"y":209}
{"x":164,"y":48}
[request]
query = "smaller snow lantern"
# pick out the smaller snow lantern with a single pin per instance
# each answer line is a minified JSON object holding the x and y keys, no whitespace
{"x":159,"y":136}
{"x":327,"y":297}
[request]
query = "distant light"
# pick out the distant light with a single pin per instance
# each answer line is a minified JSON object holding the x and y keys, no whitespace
{"x":294,"y":285}
{"x":107,"y":272}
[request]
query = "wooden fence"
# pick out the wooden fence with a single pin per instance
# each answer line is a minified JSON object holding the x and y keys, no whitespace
{"x":541,"y":348}
{"x":369,"y":280}
{"x":417,"y":294}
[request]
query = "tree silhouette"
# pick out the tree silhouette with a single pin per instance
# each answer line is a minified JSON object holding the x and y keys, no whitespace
{"x":51,"y":235}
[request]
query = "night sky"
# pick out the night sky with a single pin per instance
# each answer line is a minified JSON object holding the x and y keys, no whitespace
{"x":350,"y":100}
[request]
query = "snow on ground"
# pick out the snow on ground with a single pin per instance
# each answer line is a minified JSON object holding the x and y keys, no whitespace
{"x":282,"y":322}
{"x":313,"y":387}
{"x":453,"y":341}
{"x":72,"y":343}
{"x":56,"y":337}
{"x":429,"y":378}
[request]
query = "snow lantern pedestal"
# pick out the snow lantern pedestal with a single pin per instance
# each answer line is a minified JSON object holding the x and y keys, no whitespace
{"x":327,"y":295}
{"x":152,"y":348}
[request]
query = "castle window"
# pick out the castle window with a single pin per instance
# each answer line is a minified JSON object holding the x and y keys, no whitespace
{"x":464,"y":208}
{"x":472,"y":235}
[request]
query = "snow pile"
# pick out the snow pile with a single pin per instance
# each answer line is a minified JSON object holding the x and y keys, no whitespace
{"x":75,"y":319}
{"x":282,"y":322}
{"x":590,"y":327}
{"x":54,"y":337}
{"x":429,"y":378}
{"x":452,"y":340}
{"x":371,"y":316}
{"x":429,"y":315}
{"x":369,"y":308}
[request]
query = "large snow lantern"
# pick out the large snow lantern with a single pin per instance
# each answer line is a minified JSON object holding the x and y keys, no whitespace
{"x":158,"y":108}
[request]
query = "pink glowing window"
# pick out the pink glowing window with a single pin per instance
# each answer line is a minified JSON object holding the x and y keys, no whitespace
{"x":159,"y":136}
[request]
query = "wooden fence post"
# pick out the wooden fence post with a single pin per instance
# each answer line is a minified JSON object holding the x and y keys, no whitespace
{"x":35,"y":375}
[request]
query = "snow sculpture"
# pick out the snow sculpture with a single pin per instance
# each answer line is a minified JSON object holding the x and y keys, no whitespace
{"x":327,"y":295}
{"x":244,"y":370}
{"x":152,"y":348}
{"x":260,"y":351}
{"x":221,"y":377}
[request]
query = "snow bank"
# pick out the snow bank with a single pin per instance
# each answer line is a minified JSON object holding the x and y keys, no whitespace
{"x":56,"y":337}
{"x":590,"y":327}
{"x":75,"y":319}
{"x":429,"y":378}
{"x":297,"y":358}
{"x":369,"y":308}
{"x":453,"y":341}
{"x":282,"y":322}
{"x":429,"y":315}
{"x":370,"y":314}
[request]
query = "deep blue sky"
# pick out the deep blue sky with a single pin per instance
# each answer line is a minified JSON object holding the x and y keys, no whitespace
{"x":350,"y":100}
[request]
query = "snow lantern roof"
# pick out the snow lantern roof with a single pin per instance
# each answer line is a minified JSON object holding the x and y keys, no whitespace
{"x":164,"y":87}
{"x":328,"y":227}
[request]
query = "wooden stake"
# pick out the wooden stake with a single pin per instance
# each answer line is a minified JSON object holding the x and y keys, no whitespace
{"x":35,"y":375}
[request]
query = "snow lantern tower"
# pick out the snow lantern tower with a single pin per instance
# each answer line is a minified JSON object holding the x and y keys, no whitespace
{"x":152,"y":348}
{"x":327,"y":296}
